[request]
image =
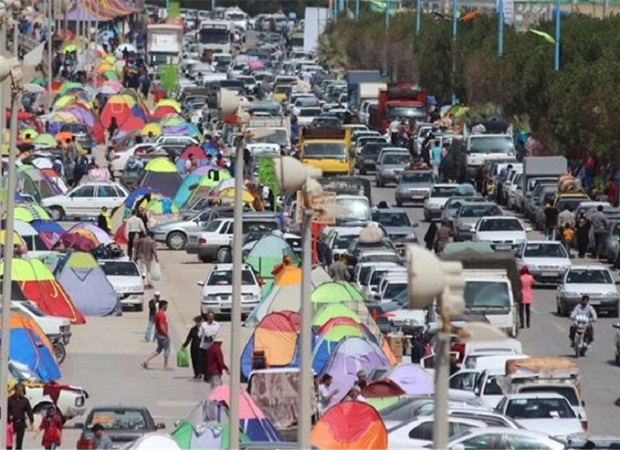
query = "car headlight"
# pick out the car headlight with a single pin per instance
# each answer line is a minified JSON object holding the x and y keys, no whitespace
{"x":411,"y":237}
{"x":610,"y":294}
{"x":572,"y":294}
{"x":532,"y":266}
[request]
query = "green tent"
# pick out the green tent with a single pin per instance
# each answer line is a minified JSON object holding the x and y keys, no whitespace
{"x":336,"y":292}
{"x":329,"y":311}
{"x":267,"y":253}
{"x":382,"y":403}
{"x":210,"y":435}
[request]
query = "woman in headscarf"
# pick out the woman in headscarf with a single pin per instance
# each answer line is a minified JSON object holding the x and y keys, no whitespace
{"x":583,"y":234}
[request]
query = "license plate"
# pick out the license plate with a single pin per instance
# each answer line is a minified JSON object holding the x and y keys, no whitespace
{"x":549,"y":274}
{"x":595,"y":302}
{"x":503,"y":247}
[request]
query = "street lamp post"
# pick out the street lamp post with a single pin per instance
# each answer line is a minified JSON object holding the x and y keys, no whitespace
{"x":418,"y":16}
{"x":556,"y":52}
{"x":357,"y":9}
{"x":454,"y":34}
{"x":500,"y":28}
{"x":387,"y":15}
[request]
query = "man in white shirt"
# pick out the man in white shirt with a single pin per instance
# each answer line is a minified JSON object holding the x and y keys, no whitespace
{"x":134,"y":226}
{"x":394,"y":127}
{"x":326,"y":393}
{"x":208,"y":332}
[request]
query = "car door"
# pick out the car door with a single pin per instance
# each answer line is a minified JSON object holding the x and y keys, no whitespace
{"x":108,"y":196}
{"x":81,"y":201}
{"x":199,"y":222}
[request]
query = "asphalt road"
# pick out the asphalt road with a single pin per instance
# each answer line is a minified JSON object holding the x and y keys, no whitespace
{"x":549,"y":337}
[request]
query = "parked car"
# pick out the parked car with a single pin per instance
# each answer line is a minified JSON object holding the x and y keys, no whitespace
{"x":454,"y":203}
{"x":216,"y":293}
{"x":504,"y":438}
{"x":413,"y":186}
{"x":391,"y":164}
{"x":547,"y":261}
{"x":467,"y":216}
{"x":336,"y":242}
{"x":595,"y":281}
{"x":174,"y":234}
{"x":419,"y":432}
{"x":119,"y":159}
{"x":367,"y":158}
{"x":397,"y":226}
{"x":176,"y":139}
{"x":86,"y":200}
{"x":127,"y":280}
{"x":122,"y":424}
{"x":502,"y":232}
{"x":52,"y":326}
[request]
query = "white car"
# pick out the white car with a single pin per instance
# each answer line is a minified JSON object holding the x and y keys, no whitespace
{"x":436,"y":199}
{"x":176,"y":140}
{"x":127,"y":280}
{"x":501,"y":232}
{"x":51,"y":325}
{"x":419,"y":432}
{"x":86,"y":200}
{"x":595,"y":281}
{"x":71,"y":399}
{"x":504,"y":438}
{"x":216,"y":294}
{"x":307,"y":114}
{"x":547,"y":261}
{"x":119,"y":159}
{"x":546,"y":412}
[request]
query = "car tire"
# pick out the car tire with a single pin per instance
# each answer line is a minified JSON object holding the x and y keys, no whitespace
{"x":614,"y":312}
{"x":140,"y":307}
{"x":223,"y":255}
{"x":57,"y":213}
{"x":176,"y":240}
{"x":399,"y":203}
{"x":203,"y":258}
{"x":426,"y":217}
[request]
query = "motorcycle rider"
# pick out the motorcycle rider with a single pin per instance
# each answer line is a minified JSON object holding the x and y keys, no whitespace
{"x":583,"y":308}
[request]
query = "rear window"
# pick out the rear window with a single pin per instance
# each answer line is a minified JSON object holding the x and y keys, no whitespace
{"x":568,"y":392}
{"x":224,"y":278}
{"x":120,"y":268}
{"x":118,"y":420}
{"x":263,"y":226}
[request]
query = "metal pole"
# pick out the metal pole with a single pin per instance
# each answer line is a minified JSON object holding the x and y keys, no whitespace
{"x":357,"y":9}
{"x":2,"y":99}
{"x":50,"y":21}
{"x":500,"y":28}
{"x":235,"y":315}
{"x":418,"y":16}
{"x":5,"y":342}
{"x":212,"y":5}
{"x":387,"y":15}
{"x":442,"y":385}
{"x":454,"y":34}
{"x":556,"y":55}
{"x":306,"y":378}
{"x":605,"y":9}
{"x":96,"y":40}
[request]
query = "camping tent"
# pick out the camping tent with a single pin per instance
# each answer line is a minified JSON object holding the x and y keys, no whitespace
{"x":350,"y":356}
{"x":101,"y":236}
{"x":267,"y":252}
{"x":251,"y":419}
{"x":350,"y":425}
{"x":330,"y":312}
{"x":382,"y":393}
{"x":155,"y":441}
{"x":335,"y":292}
{"x":85,"y":281}
{"x":161,"y":174}
{"x":412,"y":379}
{"x":50,"y":232}
{"x":276,"y":335}
{"x":37,"y":284}
{"x":324,"y":345}
{"x":211,"y":435}
{"x":209,"y":176}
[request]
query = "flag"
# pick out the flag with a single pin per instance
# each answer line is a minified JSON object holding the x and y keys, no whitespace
{"x":174,"y":9}
{"x":546,"y":36}
{"x":35,"y":56}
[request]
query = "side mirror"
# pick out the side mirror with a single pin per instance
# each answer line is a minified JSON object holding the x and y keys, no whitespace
{"x":201,"y":283}
{"x":160,"y":426}
{"x":583,"y":403}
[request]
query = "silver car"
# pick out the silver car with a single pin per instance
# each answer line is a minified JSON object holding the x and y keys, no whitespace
{"x":467,"y":216}
{"x":390,"y":165}
{"x":594,"y":281}
{"x":174,"y":234}
{"x":547,"y":261}
{"x":413,"y":186}
{"x":454,"y":203}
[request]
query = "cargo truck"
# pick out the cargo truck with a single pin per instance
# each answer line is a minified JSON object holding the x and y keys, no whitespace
{"x":535,"y":167}
{"x":267,"y":135}
{"x":398,"y":102}
{"x":164,"y":44}
{"x":355,"y":78}
{"x":327,"y":149}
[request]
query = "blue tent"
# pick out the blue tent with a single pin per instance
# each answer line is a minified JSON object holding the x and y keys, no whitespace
{"x":140,"y":192}
{"x":87,"y":285}
{"x":27,"y":347}
{"x":47,"y":226}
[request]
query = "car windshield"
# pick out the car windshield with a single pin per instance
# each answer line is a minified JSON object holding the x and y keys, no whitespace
{"x":359,"y":208}
{"x":382,"y":257}
{"x":568,"y":392}
{"x":224,"y":278}
{"x":212,"y":226}
{"x":342,"y":241}
{"x":270,"y":136}
{"x":118,"y":419}
{"x":444,"y":191}
{"x":324,"y":150}
{"x":479,"y":211}
{"x":377,"y":275}
{"x":501,"y":225}
{"x":392,"y":219}
{"x":120,"y":268}
{"x":545,"y":251}
{"x":395,"y":159}
{"x":373,"y":149}
{"x":491,"y":144}
{"x":539,"y":408}
{"x":309,"y":112}
{"x":588,"y":276}
{"x":393,"y":289}
{"x":416,"y":177}
{"x":486,"y":294}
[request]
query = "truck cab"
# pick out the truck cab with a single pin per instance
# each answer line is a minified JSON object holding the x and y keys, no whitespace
{"x":484,"y":147}
{"x":327,"y":149}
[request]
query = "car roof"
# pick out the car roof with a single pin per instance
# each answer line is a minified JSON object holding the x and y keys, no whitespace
{"x":588,"y":267}
{"x":500,"y":218}
{"x":544,"y":242}
{"x":228,"y":267}
{"x":389,"y":210}
{"x":467,"y":203}
{"x":119,"y":408}
{"x":534,"y":395}
{"x":445,"y":185}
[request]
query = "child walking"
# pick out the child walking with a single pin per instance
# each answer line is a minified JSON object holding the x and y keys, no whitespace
{"x":51,"y":425}
{"x":568,"y":234}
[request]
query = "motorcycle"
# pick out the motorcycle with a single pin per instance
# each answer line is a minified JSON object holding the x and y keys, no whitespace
{"x":581,"y":342}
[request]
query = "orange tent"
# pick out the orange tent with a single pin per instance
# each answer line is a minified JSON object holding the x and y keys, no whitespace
{"x":19,"y":321}
{"x":350,"y":425}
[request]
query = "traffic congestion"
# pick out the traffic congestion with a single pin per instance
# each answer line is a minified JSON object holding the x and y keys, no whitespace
{"x":130,"y":148}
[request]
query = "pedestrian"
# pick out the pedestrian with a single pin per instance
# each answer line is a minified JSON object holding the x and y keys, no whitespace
{"x":102,"y":440}
{"x":104,"y":220}
{"x":527,"y":296}
{"x":190,"y":164}
{"x":600,"y":227}
{"x":551,"y":221}
{"x":112,"y":128}
{"x":429,"y":237}
{"x":193,"y":340}
{"x":215,"y":363}
{"x":51,"y":425}
{"x":566,"y":217}
{"x":442,"y":238}
{"x":133,"y":227}
{"x":326,"y":393}
{"x":568,"y":234}
{"x":436,"y":157}
{"x":361,"y":381}
{"x":338,"y":270}
{"x":209,"y":330}
{"x":20,"y":410}
{"x":162,"y":335}
{"x":153,"y":306}
{"x":146,"y":254}
{"x":583,"y":234}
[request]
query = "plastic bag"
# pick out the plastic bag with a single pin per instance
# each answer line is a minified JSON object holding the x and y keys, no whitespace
{"x":155,"y":271}
{"x":182,"y":357}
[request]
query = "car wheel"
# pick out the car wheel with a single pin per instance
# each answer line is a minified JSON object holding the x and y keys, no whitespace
{"x":399,"y":203}
{"x":427,"y":218}
{"x":379,"y":184}
{"x":176,"y":240}
{"x":223,"y":255}
{"x":57,"y":213}
{"x":203,"y":258}
{"x":614,"y":312}
{"x":558,"y":308}
{"x":139,"y":307}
